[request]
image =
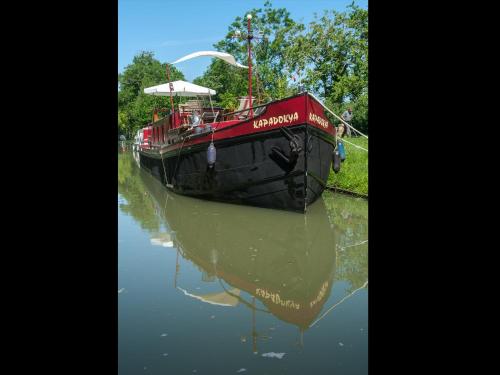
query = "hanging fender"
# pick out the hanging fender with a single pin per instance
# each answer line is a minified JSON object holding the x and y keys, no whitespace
{"x":340,"y":147}
{"x":336,"y":161}
{"x":211,"y":155}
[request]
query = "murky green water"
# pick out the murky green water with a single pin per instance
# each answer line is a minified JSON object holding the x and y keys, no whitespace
{"x":212,"y":288}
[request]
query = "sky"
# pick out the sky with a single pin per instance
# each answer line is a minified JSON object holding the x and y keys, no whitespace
{"x":174,"y":28}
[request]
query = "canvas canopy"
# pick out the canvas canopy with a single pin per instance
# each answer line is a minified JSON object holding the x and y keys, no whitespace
{"x":221,"y":55}
{"x":221,"y":298}
{"x":181,"y":88}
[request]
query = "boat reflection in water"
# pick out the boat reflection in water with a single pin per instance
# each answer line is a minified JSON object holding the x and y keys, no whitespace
{"x":283,"y":259}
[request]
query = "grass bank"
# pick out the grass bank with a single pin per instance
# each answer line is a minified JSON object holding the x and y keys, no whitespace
{"x":353,"y":175}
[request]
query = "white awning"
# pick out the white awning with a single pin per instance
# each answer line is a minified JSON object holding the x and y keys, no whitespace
{"x":181,"y":88}
{"x":221,"y":55}
{"x":221,"y":299}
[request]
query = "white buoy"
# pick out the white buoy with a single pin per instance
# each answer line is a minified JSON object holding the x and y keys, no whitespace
{"x":211,"y":154}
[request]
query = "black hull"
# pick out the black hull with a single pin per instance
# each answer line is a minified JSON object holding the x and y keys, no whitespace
{"x":250,"y":169}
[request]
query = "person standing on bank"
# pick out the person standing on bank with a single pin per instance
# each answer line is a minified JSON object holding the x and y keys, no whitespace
{"x":347,"y":117}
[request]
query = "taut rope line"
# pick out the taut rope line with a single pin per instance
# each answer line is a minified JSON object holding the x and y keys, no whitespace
{"x":338,"y":303}
{"x":338,"y":117}
{"x":352,"y":144}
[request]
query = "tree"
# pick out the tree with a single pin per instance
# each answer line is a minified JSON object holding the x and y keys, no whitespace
{"x":138,"y":203}
{"x":134,"y":107}
{"x":332,"y":57}
{"x":271,"y":78}
{"x":229,"y":81}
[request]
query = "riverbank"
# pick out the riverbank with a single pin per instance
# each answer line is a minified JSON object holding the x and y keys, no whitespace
{"x":353,"y":175}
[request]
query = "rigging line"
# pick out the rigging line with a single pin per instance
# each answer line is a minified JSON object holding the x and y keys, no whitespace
{"x":211,"y":106}
{"x":178,"y":157}
{"x":340,"y":118}
{"x":257,"y":81}
{"x":165,"y":206}
{"x":338,"y":303}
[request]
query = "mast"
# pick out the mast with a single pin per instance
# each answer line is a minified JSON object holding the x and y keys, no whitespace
{"x":171,"y":86}
{"x":249,"y":37}
{"x":254,"y":331}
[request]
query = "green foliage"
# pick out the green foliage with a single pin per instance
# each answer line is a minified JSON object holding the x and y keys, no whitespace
{"x":349,"y":218}
{"x":229,"y":82}
{"x":139,"y":203}
{"x":353,"y":175}
{"x":276,"y":31}
{"x":329,"y":57}
{"x":229,"y":101}
{"x":332,"y":58}
{"x":122,"y":122}
{"x":359,"y":109}
{"x":134,"y":107}
{"x":353,"y":263}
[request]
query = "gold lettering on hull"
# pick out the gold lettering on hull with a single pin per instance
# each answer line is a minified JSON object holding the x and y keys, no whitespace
{"x":282,"y":119}
{"x":275,"y":298}
{"x":314,"y":118}
{"x":321,"y":294}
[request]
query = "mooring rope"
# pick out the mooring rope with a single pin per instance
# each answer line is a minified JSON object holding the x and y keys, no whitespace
{"x":178,"y":157}
{"x":338,"y":117}
{"x":352,"y":144}
{"x":166,"y":177}
{"x":356,"y":244}
{"x":338,"y":303}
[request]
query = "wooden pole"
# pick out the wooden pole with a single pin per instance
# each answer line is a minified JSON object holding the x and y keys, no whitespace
{"x":249,"y":17}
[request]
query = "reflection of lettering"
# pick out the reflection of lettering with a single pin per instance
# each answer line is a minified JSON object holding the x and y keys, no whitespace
{"x":321,"y":294}
{"x":275,"y":297}
{"x":318,"y":120}
{"x":283,"y":119}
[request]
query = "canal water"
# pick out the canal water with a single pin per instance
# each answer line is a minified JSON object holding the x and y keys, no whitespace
{"x":214,"y":288}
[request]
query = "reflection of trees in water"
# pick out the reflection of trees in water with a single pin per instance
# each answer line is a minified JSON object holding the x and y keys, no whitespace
{"x":349,"y":219}
{"x":352,"y":266}
{"x":286,"y":271}
{"x":140,"y":205}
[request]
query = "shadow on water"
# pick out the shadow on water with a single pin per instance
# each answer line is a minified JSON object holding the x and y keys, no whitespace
{"x":286,"y":261}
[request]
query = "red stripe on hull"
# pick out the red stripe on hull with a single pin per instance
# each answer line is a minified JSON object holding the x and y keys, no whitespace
{"x":283,"y":113}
